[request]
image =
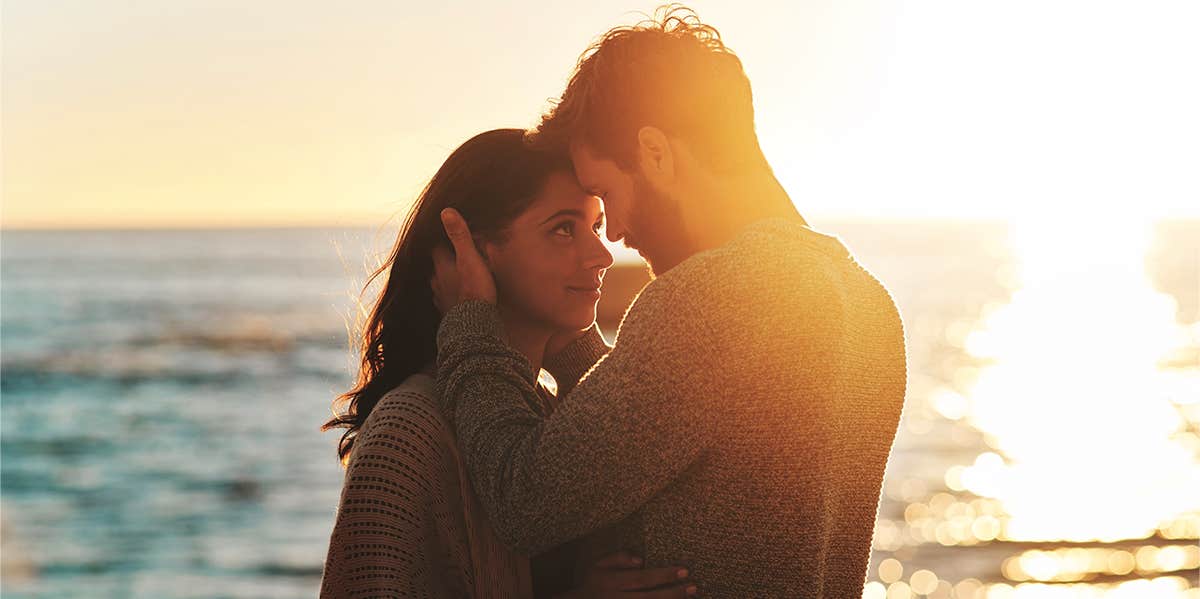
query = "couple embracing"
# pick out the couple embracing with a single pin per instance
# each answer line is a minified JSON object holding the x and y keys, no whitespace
{"x":730,"y":443}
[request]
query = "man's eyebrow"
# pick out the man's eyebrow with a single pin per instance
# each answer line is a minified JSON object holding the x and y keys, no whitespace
{"x":564,"y":212}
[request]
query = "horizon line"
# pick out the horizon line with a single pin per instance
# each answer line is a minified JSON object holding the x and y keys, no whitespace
{"x":115,"y":228}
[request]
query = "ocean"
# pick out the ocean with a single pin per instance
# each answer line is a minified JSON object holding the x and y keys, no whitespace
{"x":161,"y":393}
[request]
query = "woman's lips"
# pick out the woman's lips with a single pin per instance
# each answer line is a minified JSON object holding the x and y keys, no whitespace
{"x":592,"y":292}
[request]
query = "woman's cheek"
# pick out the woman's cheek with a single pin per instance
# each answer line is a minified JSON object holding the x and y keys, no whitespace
{"x":513,"y":287}
{"x":541,"y":294}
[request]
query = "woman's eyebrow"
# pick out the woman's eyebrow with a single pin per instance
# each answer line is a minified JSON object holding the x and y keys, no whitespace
{"x":564,"y":212}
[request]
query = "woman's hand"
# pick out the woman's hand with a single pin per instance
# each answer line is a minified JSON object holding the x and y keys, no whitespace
{"x":621,"y":576}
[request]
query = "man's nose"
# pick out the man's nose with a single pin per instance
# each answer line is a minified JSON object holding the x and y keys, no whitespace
{"x":614,"y":231}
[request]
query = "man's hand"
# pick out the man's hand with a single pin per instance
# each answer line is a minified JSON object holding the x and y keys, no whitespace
{"x":620,"y":575}
{"x":444,"y":281}
{"x":465,"y":276}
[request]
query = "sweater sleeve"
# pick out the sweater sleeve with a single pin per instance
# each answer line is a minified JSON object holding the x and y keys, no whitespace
{"x":568,"y":365}
{"x":635,"y":421}
{"x":395,"y":533}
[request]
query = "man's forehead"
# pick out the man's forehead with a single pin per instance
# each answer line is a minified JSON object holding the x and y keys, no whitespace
{"x":585,"y":172}
{"x":578,"y":148}
{"x":583,"y":152}
{"x":589,"y":169}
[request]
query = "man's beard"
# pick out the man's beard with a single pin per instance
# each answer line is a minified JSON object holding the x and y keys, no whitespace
{"x":657,"y":222}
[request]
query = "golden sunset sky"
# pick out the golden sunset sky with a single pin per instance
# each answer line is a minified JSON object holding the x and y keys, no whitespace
{"x":223,"y":113}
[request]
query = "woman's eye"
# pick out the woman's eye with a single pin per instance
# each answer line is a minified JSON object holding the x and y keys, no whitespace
{"x":599,"y":225}
{"x":567,"y":228}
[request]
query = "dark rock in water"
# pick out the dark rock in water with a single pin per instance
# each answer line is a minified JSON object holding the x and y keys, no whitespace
{"x":288,"y":570}
{"x":243,"y":489}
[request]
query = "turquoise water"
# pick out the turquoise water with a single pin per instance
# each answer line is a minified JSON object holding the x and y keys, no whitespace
{"x":161,"y":398}
{"x":162,"y":391}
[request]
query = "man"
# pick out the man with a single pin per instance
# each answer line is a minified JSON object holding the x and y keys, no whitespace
{"x":742,"y":421}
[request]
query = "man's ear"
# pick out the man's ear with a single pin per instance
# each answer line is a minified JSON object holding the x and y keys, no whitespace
{"x":655,"y":157}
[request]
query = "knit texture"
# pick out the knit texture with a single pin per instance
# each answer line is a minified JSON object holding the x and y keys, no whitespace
{"x":740,"y":426}
{"x":408,"y":524}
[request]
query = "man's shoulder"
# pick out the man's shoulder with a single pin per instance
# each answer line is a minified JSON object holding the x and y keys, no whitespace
{"x":785,"y":242}
{"x":767,"y":254}
{"x":776,"y":265}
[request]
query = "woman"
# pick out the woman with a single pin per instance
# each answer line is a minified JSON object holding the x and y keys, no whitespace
{"x":408,"y":523}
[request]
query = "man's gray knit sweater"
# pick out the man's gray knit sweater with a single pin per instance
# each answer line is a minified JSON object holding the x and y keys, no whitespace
{"x":740,"y":425}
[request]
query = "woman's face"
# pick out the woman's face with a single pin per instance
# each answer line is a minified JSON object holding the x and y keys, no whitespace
{"x":550,"y":265}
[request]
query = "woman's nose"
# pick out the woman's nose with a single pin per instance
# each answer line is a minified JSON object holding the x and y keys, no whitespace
{"x":598,"y":255}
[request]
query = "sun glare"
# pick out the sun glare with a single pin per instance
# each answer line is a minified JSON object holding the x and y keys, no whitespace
{"x":1088,"y":427}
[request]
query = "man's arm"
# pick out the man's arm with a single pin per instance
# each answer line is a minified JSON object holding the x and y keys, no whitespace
{"x":568,"y":365}
{"x":641,"y":416}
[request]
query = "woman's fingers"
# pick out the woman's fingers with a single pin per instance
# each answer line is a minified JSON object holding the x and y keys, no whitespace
{"x":475,"y":279}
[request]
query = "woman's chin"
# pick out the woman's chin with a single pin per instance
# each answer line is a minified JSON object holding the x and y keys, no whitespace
{"x":579,"y":319}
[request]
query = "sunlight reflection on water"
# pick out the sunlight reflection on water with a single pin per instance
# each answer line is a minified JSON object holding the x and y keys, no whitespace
{"x":1086,"y":477}
{"x":1094,"y":446}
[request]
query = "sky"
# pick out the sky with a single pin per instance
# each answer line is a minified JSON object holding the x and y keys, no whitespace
{"x":273,"y":113}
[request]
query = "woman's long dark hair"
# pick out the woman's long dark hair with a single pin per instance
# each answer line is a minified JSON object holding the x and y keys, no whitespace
{"x":490,"y":179}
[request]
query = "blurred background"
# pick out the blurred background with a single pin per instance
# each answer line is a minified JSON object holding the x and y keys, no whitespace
{"x":194,"y":192}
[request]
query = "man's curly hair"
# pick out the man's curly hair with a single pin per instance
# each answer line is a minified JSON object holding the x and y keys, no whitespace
{"x":671,"y":72}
